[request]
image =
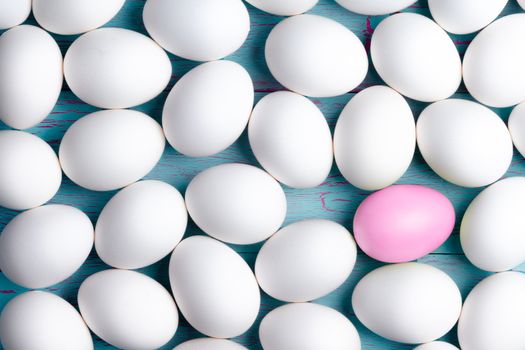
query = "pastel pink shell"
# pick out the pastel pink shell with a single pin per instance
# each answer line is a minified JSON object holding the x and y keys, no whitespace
{"x":403,"y":222}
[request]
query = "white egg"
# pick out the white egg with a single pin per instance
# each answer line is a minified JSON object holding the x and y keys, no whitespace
{"x":522,"y":3}
{"x":127,"y":309}
{"x":198,"y":30}
{"x":492,"y":316}
{"x":436,"y":345}
{"x":315,"y":56}
{"x":140,"y":225}
{"x":408,"y":303}
{"x":517,"y":127}
{"x":307,"y":326}
{"x":305,"y":260}
{"x":214,"y":287}
{"x":208,"y":108}
{"x":492,"y":229}
{"x":43,"y":246}
{"x":236,"y":203}
{"x":31,"y":70}
{"x":108,"y":150}
{"x":43,"y":321}
{"x":465,"y":16}
{"x":464,"y":142}
{"x":31,"y":173}
{"x":13,"y":12}
{"x":209,"y":344}
{"x":291,"y":139}
{"x":116,"y":68}
{"x":70,"y":17}
{"x":375,"y":7}
{"x":374,"y":142}
{"x":493,"y":68}
{"x":283,"y":8}
{"x":414,"y":56}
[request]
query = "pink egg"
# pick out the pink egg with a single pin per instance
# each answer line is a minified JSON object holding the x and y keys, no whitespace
{"x":403,"y":222}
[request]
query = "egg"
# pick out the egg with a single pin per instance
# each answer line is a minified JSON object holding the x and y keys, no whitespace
{"x":409,"y":303}
{"x":44,"y":321}
{"x":140,"y":225}
{"x":403,"y":222}
{"x":283,"y":8}
{"x":305,"y":260}
{"x":127,"y":309}
{"x":375,"y":7}
{"x":477,"y":149}
{"x":492,"y":316}
{"x":108,"y":150}
{"x":436,"y":345}
{"x":466,"y":16}
{"x":315,"y":56}
{"x":199,"y":268}
{"x":68,"y":17}
{"x":31,"y":70}
{"x":307,"y":326}
{"x":492,"y":228}
{"x":291,"y":139}
{"x":493,"y":69}
{"x":31,"y":173}
{"x":198,"y":30}
{"x":414,"y":56}
{"x":198,"y":129}
{"x":116,"y":68}
{"x":13,"y":12}
{"x":374,"y":142}
{"x":45,"y":245}
{"x":209,"y":344}
{"x":236,"y":203}
{"x":522,"y":3}
{"x":517,"y":127}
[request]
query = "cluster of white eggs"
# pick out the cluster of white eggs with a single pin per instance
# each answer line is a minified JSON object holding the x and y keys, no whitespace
{"x":464,"y":142}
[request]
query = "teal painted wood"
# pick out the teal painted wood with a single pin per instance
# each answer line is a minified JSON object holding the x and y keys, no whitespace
{"x":335,"y":199}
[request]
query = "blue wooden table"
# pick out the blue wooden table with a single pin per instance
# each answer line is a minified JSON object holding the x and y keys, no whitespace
{"x":335,"y":199}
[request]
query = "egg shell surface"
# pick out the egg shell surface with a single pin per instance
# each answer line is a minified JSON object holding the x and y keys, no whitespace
{"x":209,"y":344}
{"x":436,"y":345}
{"x":13,"y":12}
{"x":283,"y":8}
{"x":517,"y":127}
{"x":375,"y":7}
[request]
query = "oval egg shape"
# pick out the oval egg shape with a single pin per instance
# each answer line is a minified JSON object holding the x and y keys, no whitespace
{"x":292,"y":326}
{"x":403,"y":223}
{"x":492,"y":316}
{"x":116,"y":68}
{"x":44,"y":321}
{"x":466,"y":16}
{"x":436,"y":345}
{"x":375,"y":7}
{"x":315,"y":56}
{"x":492,"y":229}
{"x":433,"y":74}
{"x":127,"y":309}
{"x":31,"y":70}
{"x":31,"y":173}
{"x":291,"y":139}
{"x":199,"y":266}
{"x":45,"y":245}
{"x":493,"y":69}
{"x":517,"y":127}
{"x":13,"y":12}
{"x":374,"y":142}
{"x":69,"y":17}
{"x":423,"y":300}
{"x":198,"y":129}
{"x":236,"y":203}
{"x":126,"y":240}
{"x":305,"y":260}
{"x":108,"y":150}
{"x":209,"y":344}
{"x":283,"y":8}
{"x":478,"y":148}
{"x":198,"y":30}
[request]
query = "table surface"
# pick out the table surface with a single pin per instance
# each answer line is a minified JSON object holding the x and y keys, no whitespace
{"x":335,"y":199}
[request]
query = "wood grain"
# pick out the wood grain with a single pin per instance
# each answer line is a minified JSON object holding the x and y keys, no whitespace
{"x":335,"y":199}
